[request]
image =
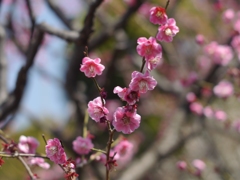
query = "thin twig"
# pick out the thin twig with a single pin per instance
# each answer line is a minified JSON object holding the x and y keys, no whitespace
{"x":16,"y":154}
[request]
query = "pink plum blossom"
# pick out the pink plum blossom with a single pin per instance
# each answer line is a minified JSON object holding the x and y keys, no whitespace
{"x":39,"y":162}
{"x":154,"y":62}
{"x":126,"y":94}
{"x":199,"y":165}
{"x":55,"y":151}
{"x":236,"y":25}
{"x":190,"y":79}
{"x":208,"y":112}
{"x":149,"y":48}
{"x":220,"y":115}
{"x":28,"y":144}
{"x":112,"y":105}
{"x":220,"y":54}
{"x":228,"y":15}
{"x":158,"y":15}
{"x":191,"y":97}
{"x":96,"y":109}
{"x":167,"y":31}
{"x":223,"y":89}
{"x":125,"y":121}
{"x":91,"y":67}
{"x":144,"y":9}
{"x":142,"y":82}
{"x":181,"y":165}
{"x":82,"y":145}
{"x":200,"y":39}
{"x":124,"y":150}
{"x":196,"y":108}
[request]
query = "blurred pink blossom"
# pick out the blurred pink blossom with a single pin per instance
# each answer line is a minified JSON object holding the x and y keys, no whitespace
{"x":223,"y":89}
{"x":196,"y":108}
{"x":200,"y":39}
{"x":39,"y":162}
{"x":126,"y":94}
{"x":220,"y":115}
{"x":55,"y":151}
{"x":190,"y":79}
{"x":96,"y":109}
{"x":144,"y":9}
{"x":142,"y":82}
{"x":236,"y":25}
{"x":191,"y":97}
{"x":124,"y":150}
{"x":181,"y":165}
{"x":91,"y":67}
{"x":167,"y":31}
{"x":228,"y":15}
{"x":125,"y":121}
{"x":148,"y":48}
{"x":82,"y":145}
{"x":28,"y":144}
{"x":154,"y":62}
{"x":208,"y":112}
{"x":199,"y":165}
{"x":158,"y":15}
{"x":220,"y":54}
{"x":112,"y":105}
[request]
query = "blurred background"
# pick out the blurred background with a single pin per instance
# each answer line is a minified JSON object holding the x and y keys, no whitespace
{"x":55,"y":97}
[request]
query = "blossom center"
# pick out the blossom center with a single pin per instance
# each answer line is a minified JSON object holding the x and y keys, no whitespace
{"x":149,"y":49}
{"x":91,"y":69}
{"x":126,"y":120}
{"x":154,"y":60}
{"x":159,"y":14}
{"x":142,"y":85}
{"x":53,"y":150}
{"x":168,"y":32}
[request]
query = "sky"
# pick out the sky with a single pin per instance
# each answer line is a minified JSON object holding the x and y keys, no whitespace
{"x":44,"y":96}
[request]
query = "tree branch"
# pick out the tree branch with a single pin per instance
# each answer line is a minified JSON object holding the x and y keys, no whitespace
{"x":59,"y":13}
{"x":13,"y":101}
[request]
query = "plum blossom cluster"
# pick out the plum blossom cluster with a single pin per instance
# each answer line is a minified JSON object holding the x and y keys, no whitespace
{"x":196,"y":168}
{"x":55,"y":152}
{"x":125,"y":119}
{"x":29,"y":145}
{"x":122,"y":153}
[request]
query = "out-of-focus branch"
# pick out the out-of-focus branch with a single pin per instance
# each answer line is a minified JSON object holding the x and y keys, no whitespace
{"x":64,"y":34}
{"x":109,"y":31}
{"x":13,"y":101}
{"x":3,"y":67}
{"x":59,"y":13}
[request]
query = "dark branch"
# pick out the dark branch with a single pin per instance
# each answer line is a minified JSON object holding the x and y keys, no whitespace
{"x":64,"y":34}
{"x":13,"y":101}
{"x":59,"y":13}
{"x":109,"y":31}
